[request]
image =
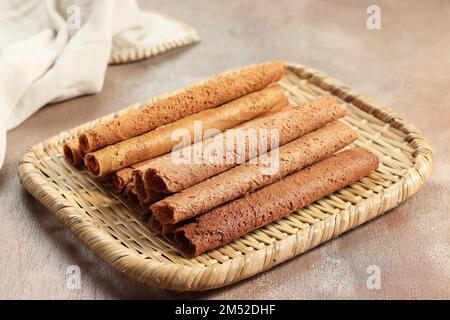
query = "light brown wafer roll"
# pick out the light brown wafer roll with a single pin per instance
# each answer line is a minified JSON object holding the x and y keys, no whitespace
{"x":165,"y":176}
{"x":162,"y":140}
{"x":248,"y":177}
{"x":236,"y":218}
{"x":211,"y":94}
{"x":121,"y":178}
{"x":73,"y":153}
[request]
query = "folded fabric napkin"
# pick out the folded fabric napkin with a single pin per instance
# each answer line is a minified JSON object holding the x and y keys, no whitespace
{"x":56,"y":50}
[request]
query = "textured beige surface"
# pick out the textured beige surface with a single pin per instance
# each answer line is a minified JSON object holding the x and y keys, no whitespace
{"x":403,"y":65}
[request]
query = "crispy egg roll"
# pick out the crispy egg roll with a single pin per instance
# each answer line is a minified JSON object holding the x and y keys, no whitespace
{"x":248,"y":177}
{"x":162,"y":229}
{"x":167,"y":176}
{"x":121,"y":178}
{"x":131,"y":193}
{"x":162,"y":140}
{"x":274,"y":201}
{"x":204,"y":96}
{"x":73,"y":153}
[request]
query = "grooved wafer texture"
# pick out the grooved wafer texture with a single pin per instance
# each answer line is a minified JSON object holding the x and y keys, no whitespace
{"x":236,"y":218}
{"x":184,"y":131}
{"x":211,"y":94}
{"x":249,"y":176}
{"x":73,"y":153}
{"x":166,"y":175}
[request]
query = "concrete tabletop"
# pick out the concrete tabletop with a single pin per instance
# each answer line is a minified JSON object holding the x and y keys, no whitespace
{"x":405,"y":65}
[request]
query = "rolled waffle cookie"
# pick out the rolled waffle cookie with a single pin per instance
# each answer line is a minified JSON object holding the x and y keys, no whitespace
{"x":167,"y":176}
{"x":146,"y":197}
{"x":121,"y":178}
{"x":190,"y":129}
{"x":208,"y":95}
{"x":236,"y":218}
{"x":73,"y":153}
{"x":248,"y":177}
{"x":162,"y":229}
{"x":131,"y":193}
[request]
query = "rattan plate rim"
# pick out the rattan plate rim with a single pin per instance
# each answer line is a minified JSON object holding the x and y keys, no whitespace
{"x":137,"y":54}
{"x":188,"y":278}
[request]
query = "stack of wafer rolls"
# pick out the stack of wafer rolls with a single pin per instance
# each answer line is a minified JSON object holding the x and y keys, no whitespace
{"x":118,"y":147}
{"x":73,"y":153}
{"x":161,"y":140}
{"x":236,"y":218}
{"x":164,"y":175}
{"x":223,"y":158}
{"x":248,"y":177}
{"x":208,"y":95}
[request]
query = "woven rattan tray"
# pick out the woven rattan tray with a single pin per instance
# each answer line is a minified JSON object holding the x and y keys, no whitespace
{"x":105,"y":223}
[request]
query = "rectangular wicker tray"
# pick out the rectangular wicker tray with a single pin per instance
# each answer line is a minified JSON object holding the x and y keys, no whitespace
{"x":106,"y":224}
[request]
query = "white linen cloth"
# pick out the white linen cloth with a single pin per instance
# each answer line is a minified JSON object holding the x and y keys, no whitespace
{"x":55,"y":50}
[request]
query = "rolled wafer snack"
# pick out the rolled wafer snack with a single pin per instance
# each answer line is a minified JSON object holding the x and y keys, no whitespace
{"x":190,"y":129}
{"x":236,"y":218}
{"x":162,"y":229}
{"x":167,"y":175}
{"x":248,"y":177}
{"x":73,"y":153}
{"x":154,"y":225}
{"x":145,"y":197}
{"x":130,"y":191}
{"x":140,"y":186}
{"x":208,"y":95}
{"x":121,"y":178}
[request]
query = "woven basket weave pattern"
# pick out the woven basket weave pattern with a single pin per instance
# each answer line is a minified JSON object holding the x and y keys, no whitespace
{"x":107,"y":225}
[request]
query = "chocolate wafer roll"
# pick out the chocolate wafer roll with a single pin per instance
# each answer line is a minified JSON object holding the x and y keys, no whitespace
{"x":162,"y":229}
{"x":149,"y":199}
{"x":167,"y":176}
{"x":248,"y":177}
{"x":121,"y":178}
{"x":161,"y":140}
{"x":140,"y":186}
{"x":146,"y":197}
{"x":154,"y":225}
{"x":208,"y":95}
{"x":130,"y":192}
{"x":236,"y":218}
{"x":73,"y":153}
